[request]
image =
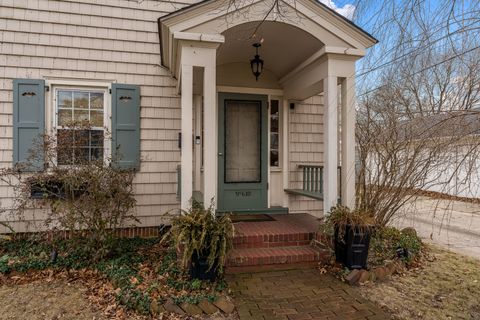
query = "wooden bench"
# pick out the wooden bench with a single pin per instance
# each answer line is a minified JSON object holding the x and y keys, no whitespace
{"x":312,"y":182}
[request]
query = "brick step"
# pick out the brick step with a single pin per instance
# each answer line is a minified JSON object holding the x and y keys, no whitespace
{"x":273,"y":239}
{"x":252,"y":259}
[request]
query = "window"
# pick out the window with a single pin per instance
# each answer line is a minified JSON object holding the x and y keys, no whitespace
{"x":274,"y":133}
{"x":79,"y":120}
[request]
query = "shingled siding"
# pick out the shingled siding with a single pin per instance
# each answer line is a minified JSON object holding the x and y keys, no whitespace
{"x":306,"y":147}
{"x":111,"y":40}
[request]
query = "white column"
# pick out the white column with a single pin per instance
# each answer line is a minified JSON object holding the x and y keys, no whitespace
{"x":285,"y":151}
{"x":187,"y":133}
{"x":197,"y":100}
{"x":210,"y":131}
{"x":330,"y":136}
{"x":348,"y":142}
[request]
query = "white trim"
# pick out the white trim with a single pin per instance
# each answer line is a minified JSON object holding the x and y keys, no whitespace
{"x":202,"y":37}
{"x":77,"y":84}
{"x":280,"y":132}
{"x":330,"y":143}
{"x":285,"y":151}
{"x":247,"y":90}
{"x":187,"y":133}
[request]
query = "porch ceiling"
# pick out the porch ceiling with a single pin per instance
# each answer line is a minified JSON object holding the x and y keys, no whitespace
{"x":301,"y":22}
{"x":284,"y":46}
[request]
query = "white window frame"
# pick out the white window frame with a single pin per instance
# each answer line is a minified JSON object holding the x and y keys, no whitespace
{"x":51,"y":115}
{"x":280,"y":132}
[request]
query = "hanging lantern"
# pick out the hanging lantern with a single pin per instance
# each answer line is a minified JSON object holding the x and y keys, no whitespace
{"x":256,"y":63}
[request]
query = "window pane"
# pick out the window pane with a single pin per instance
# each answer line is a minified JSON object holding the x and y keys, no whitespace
{"x":274,"y":130}
{"x":64,"y":99}
{"x":274,"y":124}
{"x":64,"y":117}
{"x":274,"y":158}
{"x":80,"y":100}
{"x":81,"y":155}
{"x":274,"y":107}
{"x":96,"y":118}
{"x":64,"y":138}
{"x":81,"y":138}
{"x":96,"y":100}
{"x":96,"y":154}
{"x":64,"y":146}
{"x":96,"y":138}
{"x":274,"y":140}
{"x":80,"y":115}
{"x":242,"y":147}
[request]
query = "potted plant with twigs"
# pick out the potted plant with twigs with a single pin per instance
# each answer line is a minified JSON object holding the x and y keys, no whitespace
{"x":205,"y":240}
{"x":351,"y":230}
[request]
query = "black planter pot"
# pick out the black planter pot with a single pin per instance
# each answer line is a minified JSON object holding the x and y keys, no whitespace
{"x":199,"y":268}
{"x":352,"y":250}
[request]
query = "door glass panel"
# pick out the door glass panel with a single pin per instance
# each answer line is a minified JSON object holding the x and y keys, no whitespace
{"x":242,"y":141}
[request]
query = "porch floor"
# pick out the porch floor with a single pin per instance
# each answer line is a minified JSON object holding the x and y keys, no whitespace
{"x":282,"y":224}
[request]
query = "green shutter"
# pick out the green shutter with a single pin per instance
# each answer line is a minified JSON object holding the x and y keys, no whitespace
{"x":28,"y":123}
{"x":125,"y":126}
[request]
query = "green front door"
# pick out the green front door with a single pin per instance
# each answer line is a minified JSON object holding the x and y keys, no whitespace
{"x":242,"y":152}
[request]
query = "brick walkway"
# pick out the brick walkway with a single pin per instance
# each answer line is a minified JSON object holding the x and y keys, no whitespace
{"x":298,"y":294}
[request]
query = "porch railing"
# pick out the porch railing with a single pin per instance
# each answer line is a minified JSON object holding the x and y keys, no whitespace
{"x":312,"y":184}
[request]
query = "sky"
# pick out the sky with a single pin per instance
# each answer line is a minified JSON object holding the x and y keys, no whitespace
{"x":345,"y":9}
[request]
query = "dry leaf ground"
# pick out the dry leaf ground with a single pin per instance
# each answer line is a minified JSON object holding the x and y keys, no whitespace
{"x":446,"y":288}
{"x":43,"y":300}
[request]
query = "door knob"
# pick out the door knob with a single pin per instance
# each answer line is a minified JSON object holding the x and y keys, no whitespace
{"x":220,"y":154}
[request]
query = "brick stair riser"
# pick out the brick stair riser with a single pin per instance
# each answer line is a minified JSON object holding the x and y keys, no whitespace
{"x":270,"y":241}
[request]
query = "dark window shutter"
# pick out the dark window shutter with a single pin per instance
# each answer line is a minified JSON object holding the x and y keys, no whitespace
{"x":28,"y":123}
{"x":125,"y":126}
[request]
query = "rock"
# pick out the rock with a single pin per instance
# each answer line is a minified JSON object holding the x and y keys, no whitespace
{"x":353,"y":277}
{"x":364,"y":276}
{"x":409,"y":231}
{"x":156,"y":307}
{"x":390,"y":268}
{"x":224,"y":304}
{"x":191,"y":309}
{"x":380,"y":273}
{"x":207,"y":307}
{"x":170,"y":306}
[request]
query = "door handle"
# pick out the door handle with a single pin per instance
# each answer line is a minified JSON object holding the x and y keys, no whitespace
{"x":220,"y":154}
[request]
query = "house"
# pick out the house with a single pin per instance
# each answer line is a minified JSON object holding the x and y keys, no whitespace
{"x":173,"y":82}
{"x":455,"y":171}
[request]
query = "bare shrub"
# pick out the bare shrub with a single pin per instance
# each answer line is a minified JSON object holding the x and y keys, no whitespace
{"x":84,"y":195}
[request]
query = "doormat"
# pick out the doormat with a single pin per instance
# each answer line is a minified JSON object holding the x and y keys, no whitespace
{"x":251,"y":217}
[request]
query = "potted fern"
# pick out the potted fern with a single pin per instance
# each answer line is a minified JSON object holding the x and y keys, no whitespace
{"x":205,"y":240}
{"x":352,"y":230}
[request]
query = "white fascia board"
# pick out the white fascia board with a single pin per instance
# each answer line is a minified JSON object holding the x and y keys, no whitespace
{"x":346,"y":53}
{"x":332,"y":23}
{"x":201,"y":37}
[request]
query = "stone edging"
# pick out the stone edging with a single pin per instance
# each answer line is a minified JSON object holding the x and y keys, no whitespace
{"x":204,"y":307}
{"x":360,"y":276}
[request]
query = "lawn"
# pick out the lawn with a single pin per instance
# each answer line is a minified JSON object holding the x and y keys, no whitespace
{"x":446,"y":286}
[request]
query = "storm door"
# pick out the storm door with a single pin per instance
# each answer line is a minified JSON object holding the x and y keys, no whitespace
{"x":242,"y":157}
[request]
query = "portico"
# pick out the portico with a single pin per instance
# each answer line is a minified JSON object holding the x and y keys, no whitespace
{"x":240,"y":145}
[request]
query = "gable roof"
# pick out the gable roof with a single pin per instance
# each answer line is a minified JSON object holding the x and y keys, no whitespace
{"x":332,"y":11}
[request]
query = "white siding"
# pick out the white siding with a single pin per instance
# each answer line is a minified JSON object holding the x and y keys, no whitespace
{"x":305,"y":147}
{"x":113,"y":40}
